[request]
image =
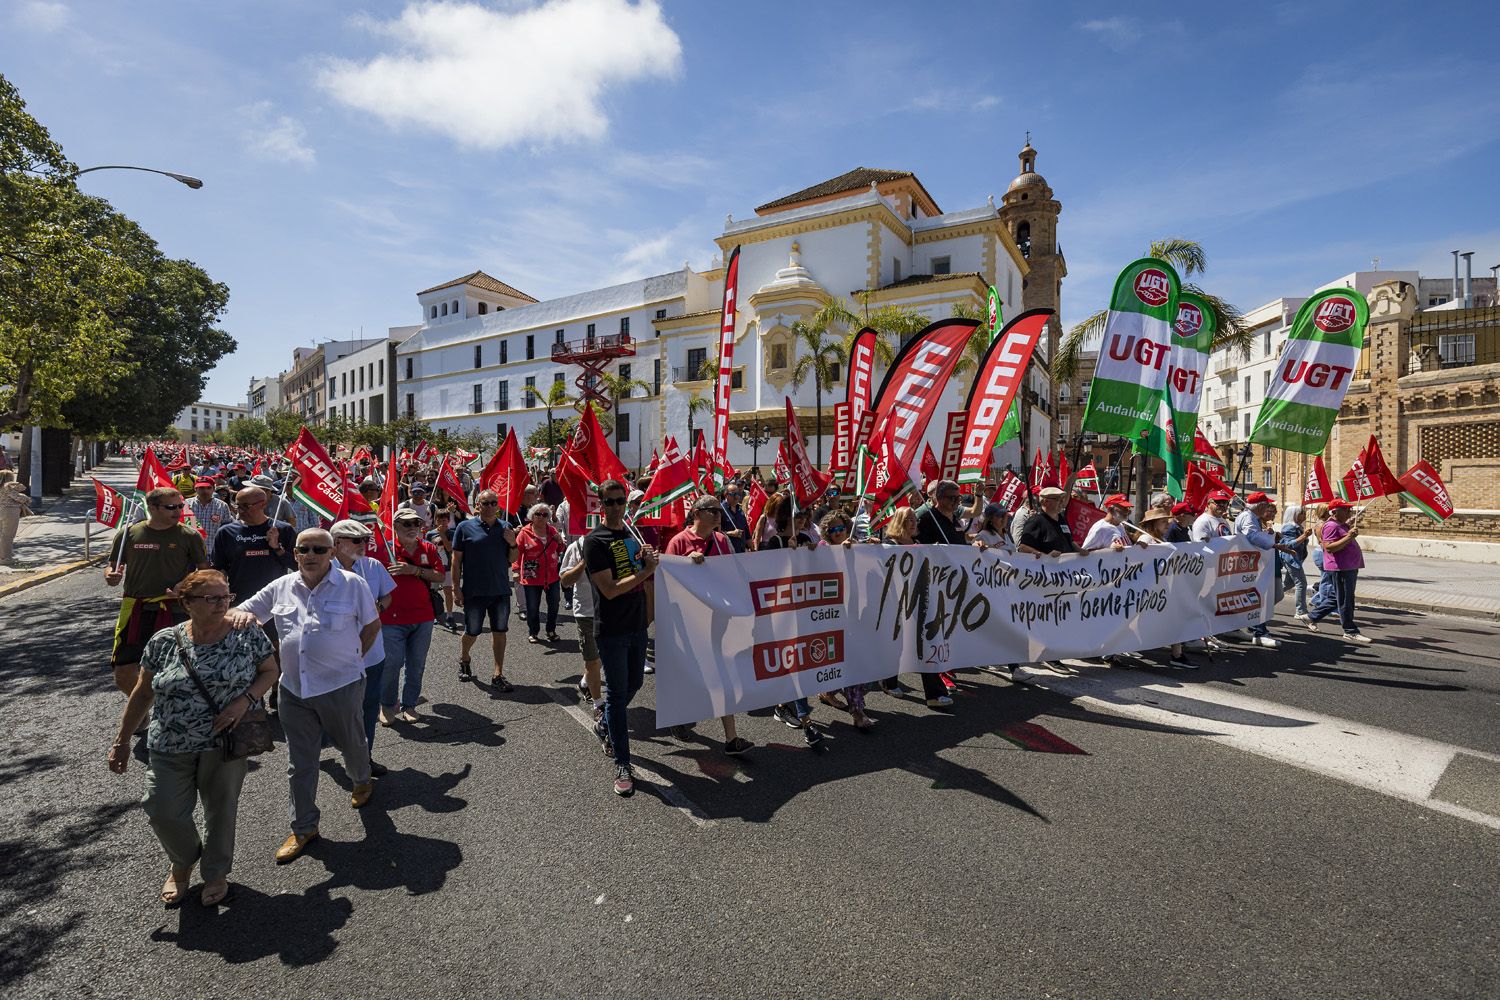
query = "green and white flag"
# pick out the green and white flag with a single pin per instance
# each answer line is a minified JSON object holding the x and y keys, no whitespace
{"x":1010,"y":427}
{"x":994,"y":316}
{"x":1192,"y":343}
{"x":1314,"y":372}
{"x":1130,"y":379}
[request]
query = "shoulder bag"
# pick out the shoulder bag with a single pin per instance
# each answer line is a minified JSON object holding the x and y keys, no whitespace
{"x":248,"y":737}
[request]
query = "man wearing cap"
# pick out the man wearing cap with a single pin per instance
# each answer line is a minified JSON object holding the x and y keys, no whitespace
{"x":1181,"y":528}
{"x":1252,"y":525}
{"x":1211,"y":523}
{"x":210,"y":512}
{"x":700,"y":539}
{"x":482,"y":549}
{"x":418,"y":504}
{"x":1109,"y":531}
{"x":1046,"y":532}
{"x":1343,"y":560}
{"x":350,"y":540}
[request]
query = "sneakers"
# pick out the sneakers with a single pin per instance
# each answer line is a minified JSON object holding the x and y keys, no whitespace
{"x":650,"y":667}
{"x":1312,"y":626}
{"x":1267,"y":642}
{"x":942,"y":701}
{"x":1181,"y":663}
{"x":465,"y":671}
{"x":1358,"y":637}
{"x":810,"y":734}
{"x":784,"y":715}
{"x":583,"y":689}
{"x":1300,"y":616}
{"x":624,"y":780}
{"x":894,"y":688}
{"x":737,"y":746}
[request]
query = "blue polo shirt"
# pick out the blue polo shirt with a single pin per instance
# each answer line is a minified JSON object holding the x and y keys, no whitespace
{"x":486,"y":569}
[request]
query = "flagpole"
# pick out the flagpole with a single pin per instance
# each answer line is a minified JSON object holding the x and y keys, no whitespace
{"x":121,"y":533}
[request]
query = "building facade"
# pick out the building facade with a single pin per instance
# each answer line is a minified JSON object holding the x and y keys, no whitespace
{"x":362,"y":385}
{"x":264,"y":395}
{"x":304,"y":388}
{"x":196,"y":423}
{"x":869,"y":238}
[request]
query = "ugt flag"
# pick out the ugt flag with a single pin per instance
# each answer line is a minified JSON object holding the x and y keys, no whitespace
{"x":1313,"y":373}
{"x":1130,"y":379}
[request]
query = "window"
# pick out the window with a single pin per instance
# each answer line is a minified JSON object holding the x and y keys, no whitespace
{"x":737,"y":378}
{"x":382,"y":371}
{"x":1265,"y":476}
{"x":622,"y":427}
{"x":778,"y":355}
{"x":696,"y":358}
{"x":332,"y":394}
{"x":590,"y":332}
{"x":1437,"y":300}
{"x":624,"y":326}
{"x":1265,"y":344}
{"x":558,"y":378}
{"x":478,"y":398}
{"x":483,"y":308}
{"x":895,"y":269}
{"x":624,"y":371}
{"x":661,"y":314}
{"x":834,"y":372}
{"x":502,"y":402}
{"x":361,"y":410}
{"x":1023,"y":239}
{"x":557,"y":338}
{"x":942,"y":265}
{"x":502,"y":430}
{"x":1265,"y":388}
{"x":455,"y":307}
{"x":411,"y":405}
{"x":504,"y":351}
{"x":1245,"y":422}
{"x":656,"y":377}
{"x":1247,"y":388}
{"x":361,"y":373}
{"x":530,"y":390}
{"x":445,"y":308}
{"x":478,"y":356}
{"x":1456,"y":349}
{"x":531,"y":346}
{"x":434,"y":312}
{"x":195,"y":423}
{"x":408,"y":368}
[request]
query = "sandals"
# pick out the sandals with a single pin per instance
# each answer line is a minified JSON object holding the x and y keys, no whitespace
{"x":833,"y":701}
{"x":216,"y":893}
{"x":532,"y":639}
{"x":174,"y":891}
{"x":501,"y":684}
{"x":862,"y":722}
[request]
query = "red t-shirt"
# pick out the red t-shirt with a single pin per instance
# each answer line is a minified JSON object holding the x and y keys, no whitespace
{"x":538,"y":556}
{"x":685,"y":543}
{"x":410,"y":603}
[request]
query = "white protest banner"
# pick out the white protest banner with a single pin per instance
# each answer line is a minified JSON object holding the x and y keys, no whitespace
{"x":743,"y":632}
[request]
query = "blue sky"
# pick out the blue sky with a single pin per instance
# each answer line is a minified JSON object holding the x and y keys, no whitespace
{"x":354,"y":155}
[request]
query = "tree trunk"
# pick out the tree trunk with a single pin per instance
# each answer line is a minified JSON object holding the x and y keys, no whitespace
{"x":818,"y":395}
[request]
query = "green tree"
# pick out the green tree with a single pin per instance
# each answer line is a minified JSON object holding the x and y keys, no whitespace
{"x":697,"y":406}
{"x":405,"y":432}
{"x":617,"y":388}
{"x":1189,"y":258}
{"x":448,"y":442}
{"x":820,"y":360}
{"x":282,"y":423}
{"x":554,"y":397}
{"x":247,"y":432}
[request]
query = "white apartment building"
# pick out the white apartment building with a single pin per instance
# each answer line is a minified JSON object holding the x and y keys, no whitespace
{"x":362,"y":385}
{"x":198,"y":421}
{"x":264,"y":395}
{"x":872,"y":234}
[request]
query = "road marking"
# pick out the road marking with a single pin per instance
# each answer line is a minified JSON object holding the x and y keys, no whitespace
{"x":665,"y":788}
{"x":1399,"y":765}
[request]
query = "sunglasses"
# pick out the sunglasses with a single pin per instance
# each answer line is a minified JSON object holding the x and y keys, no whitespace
{"x":489,"y":503}
{"x":616,"y":502}
{"x":837,"y":529}
{"x":316,"y":550}
{"x":408,"y":525}
{"x":212,"y":598}
{"x":169,"y":506}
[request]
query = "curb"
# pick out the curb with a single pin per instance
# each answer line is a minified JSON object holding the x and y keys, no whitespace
{"x":48,"y":575}
{"x":1473,"y":614}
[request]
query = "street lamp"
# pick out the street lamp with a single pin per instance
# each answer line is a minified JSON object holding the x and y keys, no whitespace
{"x":755,"y":435}
{"x":191,"y":182}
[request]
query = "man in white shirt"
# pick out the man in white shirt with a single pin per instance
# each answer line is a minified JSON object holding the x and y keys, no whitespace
{"x":1109,"y":533}
{"x":1211,"y":523}
{"x":327,"y":622}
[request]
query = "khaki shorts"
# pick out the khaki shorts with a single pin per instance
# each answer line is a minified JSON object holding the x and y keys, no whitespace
{"x":586,"y":638}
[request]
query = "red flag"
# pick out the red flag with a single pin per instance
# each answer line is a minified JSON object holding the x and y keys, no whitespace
{"x":574,"y":482}
{"x":319,"y":484}
{"x":861,"y":377}
{"x":464,"y":457}
{"x":930,"y":471}
{"x":1088,"y":478}
{"x":180,"y":462}
{"x":1318,"y":488}
{"x":256,"y":471}
{"x":1425,"y":490}
{"x":153,"y":474}
{"x":592,"y":452}
{"x":506,"y":473}
{"x":953,"y":445}
{"x":672,"y":480}
{"x":1198,"y":485}
{"x":722,"y":387}
{"x":703,"y":466}
{"x":1081,"y":517}
{"x":1010,"y":492}
{"x":424,"y":452}
{"x":343,"y":510}
{"x":389,"y":495}
{"x":447,"y":481}
{"x":655,"y":461}
{"x":807,"y":481}
{"x":912,"y":388}
{"x":362,"y":453}
{"x":1204,"y":450}
{"x":1063,"y":469}
{"x":108,"y":504}
{"x":996,"y":384}
{"x":1038,"y":472}
{"x":1381,"y":477}
{"x":758,"y":500}
{"x":782,"y":470}
{"x":890,"y":480}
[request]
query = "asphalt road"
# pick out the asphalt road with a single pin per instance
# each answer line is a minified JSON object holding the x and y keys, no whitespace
{"x":934,"y":857}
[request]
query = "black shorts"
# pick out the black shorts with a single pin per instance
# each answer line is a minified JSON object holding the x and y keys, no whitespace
{"x":477,"y":608}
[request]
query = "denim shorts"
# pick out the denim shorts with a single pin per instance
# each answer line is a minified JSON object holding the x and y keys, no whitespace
{"x":477,"y":608}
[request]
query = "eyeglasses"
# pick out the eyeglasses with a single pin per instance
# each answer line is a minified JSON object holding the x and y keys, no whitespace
{"x":315,"y":550}
{"x":211,"y":598}
{"x":170,"y":506}
{"x":489,"y":503}
{"x":616,"y":502}
{"x":408,"y":525}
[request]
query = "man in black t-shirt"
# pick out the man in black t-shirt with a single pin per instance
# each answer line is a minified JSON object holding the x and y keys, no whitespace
{"x":619,"y":569}
{"x":255,"y":551}
{"x":1046,"y":533}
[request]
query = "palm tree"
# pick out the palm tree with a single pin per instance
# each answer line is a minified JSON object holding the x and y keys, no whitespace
{"x":619,"y":387}
{"x":555,"y":396}
{"x":820,"y":362}
{"x":697,"y":404}
{"x":1187,"y":256}
{"x":978,"y":342}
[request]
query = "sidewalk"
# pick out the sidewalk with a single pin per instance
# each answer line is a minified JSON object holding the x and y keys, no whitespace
{"x":51,"y":543}
{"x":1441,"y":586}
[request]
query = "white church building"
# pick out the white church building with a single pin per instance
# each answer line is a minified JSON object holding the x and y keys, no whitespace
{"x":872,"y":238}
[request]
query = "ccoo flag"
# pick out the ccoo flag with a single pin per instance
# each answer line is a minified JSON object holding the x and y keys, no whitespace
{"x":996,"y":386}
{"x":1313,"y":373}
{"x":1130,"y":379}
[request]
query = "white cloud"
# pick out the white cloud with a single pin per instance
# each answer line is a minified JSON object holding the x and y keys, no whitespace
{"x":280,"y":138}
{"x":489,"y":79}
{"x":951,"y":99}
{"x":1119,"y":33}
{"x":43,"y":16}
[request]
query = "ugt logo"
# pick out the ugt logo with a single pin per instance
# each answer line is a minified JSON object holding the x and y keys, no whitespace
{"x":1189,"y":320}
{"x":789,"y":656}
{"x":1152,"y":287}
{"x":1234,"y":563}
{"x":1335,"y":315}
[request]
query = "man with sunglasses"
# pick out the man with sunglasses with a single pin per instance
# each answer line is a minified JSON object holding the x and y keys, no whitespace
{"x":254,"y":551}
{"x":159,"y":552}
{"x":482,"y":549}
{"x":327,"y":622}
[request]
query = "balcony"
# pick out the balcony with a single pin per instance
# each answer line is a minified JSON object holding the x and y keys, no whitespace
{"x":1224,"y":403}
{"x":1227,"y":363}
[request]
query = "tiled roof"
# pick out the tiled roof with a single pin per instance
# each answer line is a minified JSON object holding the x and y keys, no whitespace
{"x":480,"y":280}
{"x":855,"y":180}
{"x":925,"y":279}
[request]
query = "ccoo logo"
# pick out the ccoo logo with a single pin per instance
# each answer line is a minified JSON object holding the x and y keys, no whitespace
{"x":1189,"y":320}
{"x":1152,"y":287}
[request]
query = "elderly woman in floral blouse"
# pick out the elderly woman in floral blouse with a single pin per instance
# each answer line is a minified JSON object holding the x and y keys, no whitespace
{"x":186,"y":761}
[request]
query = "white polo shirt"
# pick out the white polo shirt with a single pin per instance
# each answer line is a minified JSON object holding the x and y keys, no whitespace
{"x":319,"y":629}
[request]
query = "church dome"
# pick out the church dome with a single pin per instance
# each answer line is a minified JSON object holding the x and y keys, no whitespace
{"x":1032,"y":179}
{"x":1028,"y":177}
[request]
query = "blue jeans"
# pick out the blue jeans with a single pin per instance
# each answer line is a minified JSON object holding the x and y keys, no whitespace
{"x":1323,"y":595}
{"x":533,"y":594}
{"x":623,"y":659}
{"x":1296,"y":577}
{"x":1343,"y":599}
{"x":372,"y":701}
{"x":405,"y":646}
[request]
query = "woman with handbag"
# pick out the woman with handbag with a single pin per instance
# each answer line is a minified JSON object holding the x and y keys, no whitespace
{"x":202,"y":682}
{"x":540,"y":547}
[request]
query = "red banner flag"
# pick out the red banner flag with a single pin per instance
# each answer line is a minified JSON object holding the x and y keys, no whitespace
{"x":672,"y":481}
{"x":720,"y":454}
{"x":1198,"y":485}
{"x":153,"y":474}
{"x":758,"y":498}
{"x":1425,"y":490}
{"x":108,"y":504}
{"x":1082,"y":516}
{"x":912,"y":388}
{"x":389,"y":496}
{"x":1010,"y":492}
{"x":1318,"y":488}
{"x":447,"y":481}
{"x":506,"y":473}
{"x":1204,"y":450}
{"x":953,"y":444}
{"x":1381,"y":477}
{"x":1088,"y":478}
{"x":319,"y":484}
{"x":592,"y":452}
{"x":861,"y":377}
{"x":782,"y":470}
{"x":842,"y":432}
{"x":996,"y":385}
{"x":890,"y":482}
{"x":807,"y":481}
{"x":929,"y":468}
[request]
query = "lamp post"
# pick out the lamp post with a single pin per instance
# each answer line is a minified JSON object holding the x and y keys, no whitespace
{"x":191,"y":182}
{"x":755,"y":435}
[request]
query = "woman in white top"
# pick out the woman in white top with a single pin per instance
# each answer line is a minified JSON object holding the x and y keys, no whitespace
{"x":991,"y":529}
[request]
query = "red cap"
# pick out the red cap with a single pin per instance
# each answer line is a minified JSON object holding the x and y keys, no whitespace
{"x":1183,"y":508}
{"x":1340,"y":505}
{"x":205,"y":482}
{"x":1116,"y":500}
{"x":1223,"y":495}
{"x":1257,"y":497}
